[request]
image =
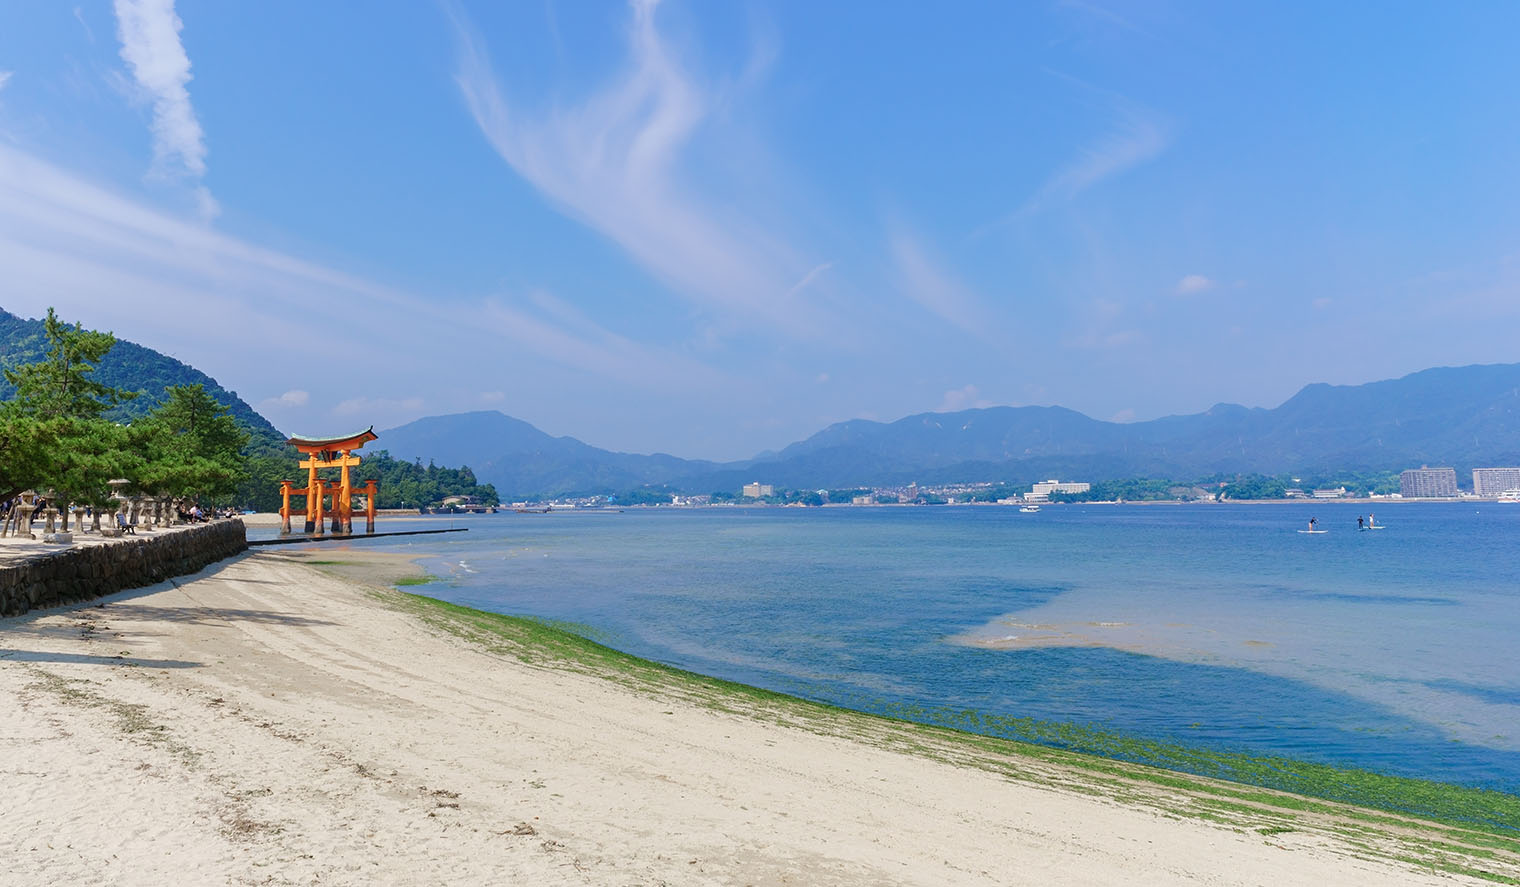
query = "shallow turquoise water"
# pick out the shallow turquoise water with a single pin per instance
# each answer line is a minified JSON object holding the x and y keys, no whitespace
{"x":1213,"y":626}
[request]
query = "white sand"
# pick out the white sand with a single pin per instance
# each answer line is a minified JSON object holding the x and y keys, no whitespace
{"x":268,"y":724}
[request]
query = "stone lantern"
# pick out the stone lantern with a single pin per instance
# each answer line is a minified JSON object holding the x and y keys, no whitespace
{"x":51,"y":533}
{"x":51,"y":511}
{"x":19,"y":523}
{"x":120,"y":505}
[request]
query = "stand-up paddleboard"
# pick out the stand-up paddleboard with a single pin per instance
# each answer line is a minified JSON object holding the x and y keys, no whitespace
{"x":1313,"y":532}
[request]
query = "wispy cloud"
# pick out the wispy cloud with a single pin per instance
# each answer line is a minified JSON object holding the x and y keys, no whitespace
{"x":1135,"y":138}
{"x":1193,"y":283}
{"x":1102,"y":14}
{"x":292,"y":398}
{"x":933,"y":288}
{"x":383,"y":405}
{"x":89,"y":32}
{"x":553,"y":330}
{"x":614,"y":162}
{"x":5,"y":76}
{"x":808,"y":278}
{"x":967,"y":397}
{"x":1102,"y":327}
{"x":150,"y":45}
{"x":229,"y":304}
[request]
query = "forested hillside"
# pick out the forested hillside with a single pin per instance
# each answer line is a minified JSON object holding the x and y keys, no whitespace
{"x":130,"y":367}
{"x":267,"y":459}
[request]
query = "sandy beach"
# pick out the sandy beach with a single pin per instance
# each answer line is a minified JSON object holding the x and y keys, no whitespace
{"x":276,"y":719}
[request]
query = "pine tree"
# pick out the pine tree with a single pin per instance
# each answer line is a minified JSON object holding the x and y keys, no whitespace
{"x":60,"y":385}
{"x":192,"y":446}
{"x":51,"y":433}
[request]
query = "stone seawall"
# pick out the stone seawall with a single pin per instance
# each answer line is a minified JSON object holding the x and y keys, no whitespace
{"x":80,"y":574}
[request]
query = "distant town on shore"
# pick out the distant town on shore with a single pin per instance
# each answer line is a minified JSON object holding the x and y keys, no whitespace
{"x":1415,"y":484}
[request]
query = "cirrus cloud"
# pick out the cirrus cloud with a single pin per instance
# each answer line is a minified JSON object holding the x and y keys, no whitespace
{"x":150,"y":45}
{"x":616,"y":162}
{"x":1193,"y":283}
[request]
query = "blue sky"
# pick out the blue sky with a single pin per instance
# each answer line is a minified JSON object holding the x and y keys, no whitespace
{"x":711,"y":229}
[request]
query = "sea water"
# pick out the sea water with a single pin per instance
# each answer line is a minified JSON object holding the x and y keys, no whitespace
{"x":1219,"y":626}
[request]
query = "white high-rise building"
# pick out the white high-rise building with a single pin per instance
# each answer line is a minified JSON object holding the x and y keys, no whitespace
{"x":1041,"y":491}
{"x":1428,"y":483}
{"x":1493,"y":481}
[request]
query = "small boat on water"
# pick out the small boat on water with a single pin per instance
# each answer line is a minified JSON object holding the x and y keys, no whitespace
{"x":1030,"y":509}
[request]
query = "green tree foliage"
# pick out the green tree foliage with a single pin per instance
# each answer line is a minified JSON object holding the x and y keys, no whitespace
{"x":994,"y":493}
{"x":188,"y":436}
{"x":128,"y":367}
{"x":1255,"y":486}
{"x":23,"y":445}
{"x":60,"y":385}
{"x":643,"y":496}
{"x":265,"y":464}
{"x":191,"y":447}
{"x":84,"y":456}
{"x":1140,"y":489}
{"x":51,"y":429}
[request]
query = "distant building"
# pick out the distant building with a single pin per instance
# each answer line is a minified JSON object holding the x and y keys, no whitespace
{"x":1494,"y":481}
{"x":1428,"y":483}
{"x":1337,"y":493}
{"x":862,"y":500}
{"x":1041,"y":491}
{"x":1294,"y":493}
{"x":759,"y":490}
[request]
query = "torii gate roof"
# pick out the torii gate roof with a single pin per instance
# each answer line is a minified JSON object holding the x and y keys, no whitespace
{"x":346,"y":442}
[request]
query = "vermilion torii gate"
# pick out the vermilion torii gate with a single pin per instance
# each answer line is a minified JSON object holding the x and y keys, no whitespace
{"x":329,"y":452}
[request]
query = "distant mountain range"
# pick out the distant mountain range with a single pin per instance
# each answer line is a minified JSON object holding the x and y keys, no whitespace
{"x":519,"y":458}
{"x":1460,"y":416}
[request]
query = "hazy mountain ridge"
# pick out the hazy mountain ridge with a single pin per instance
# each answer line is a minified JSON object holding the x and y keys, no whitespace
{"x":521,"y":460}
{"x":1461,"y":416}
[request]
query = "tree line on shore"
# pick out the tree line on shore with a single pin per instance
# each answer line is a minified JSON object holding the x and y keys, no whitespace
{"x":64,"y":431}
{"x":55,"y":439}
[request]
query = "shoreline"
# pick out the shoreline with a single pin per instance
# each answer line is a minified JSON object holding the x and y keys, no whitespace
{"x":281,"y":710}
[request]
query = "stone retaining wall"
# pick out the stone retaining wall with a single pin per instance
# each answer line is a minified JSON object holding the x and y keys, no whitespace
{"x":79,"y":574}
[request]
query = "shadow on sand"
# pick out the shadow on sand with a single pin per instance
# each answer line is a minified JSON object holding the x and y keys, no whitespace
{"x":121,"y":611}
{"x":7,"y":655}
